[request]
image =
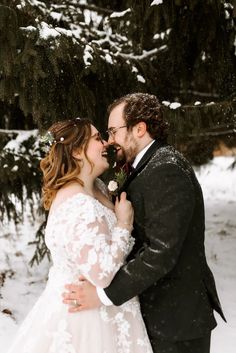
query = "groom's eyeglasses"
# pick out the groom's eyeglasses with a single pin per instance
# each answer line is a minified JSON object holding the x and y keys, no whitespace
{"x":112,"y":130}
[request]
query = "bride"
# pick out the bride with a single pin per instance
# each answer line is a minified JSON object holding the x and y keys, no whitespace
{"x":87,"y":235}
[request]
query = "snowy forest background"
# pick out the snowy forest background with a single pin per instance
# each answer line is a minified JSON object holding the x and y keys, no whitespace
{"x":66,"y":58}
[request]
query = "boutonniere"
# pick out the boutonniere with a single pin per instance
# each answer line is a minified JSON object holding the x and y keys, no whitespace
{"x":117,"y":182}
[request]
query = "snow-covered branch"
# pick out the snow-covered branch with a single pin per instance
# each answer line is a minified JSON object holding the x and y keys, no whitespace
{"x":145,"y":54}
{"x":13,"y":131}
{"x":95,"y":8}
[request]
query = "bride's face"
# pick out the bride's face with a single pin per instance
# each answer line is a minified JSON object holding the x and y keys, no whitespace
{"x":97,"y":152}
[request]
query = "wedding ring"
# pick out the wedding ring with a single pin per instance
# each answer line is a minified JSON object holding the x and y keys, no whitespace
{"x":75,"y":302}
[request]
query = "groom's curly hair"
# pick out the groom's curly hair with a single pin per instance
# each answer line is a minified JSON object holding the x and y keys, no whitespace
{"x":143,"y":107}
{"x":59,"y":166}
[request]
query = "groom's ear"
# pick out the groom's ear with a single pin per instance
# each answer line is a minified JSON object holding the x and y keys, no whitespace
{"x":141,"y":128}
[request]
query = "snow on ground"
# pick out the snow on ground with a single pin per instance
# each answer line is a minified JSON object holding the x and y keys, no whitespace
{"x":22,"y":284}
{"x":219,"y":188}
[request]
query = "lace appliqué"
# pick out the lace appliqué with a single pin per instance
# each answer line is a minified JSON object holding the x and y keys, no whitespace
{"x":121,"y":322}
{"x":90,"y":243}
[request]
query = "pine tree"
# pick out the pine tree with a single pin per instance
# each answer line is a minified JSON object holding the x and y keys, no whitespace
{"x":66,"y":58}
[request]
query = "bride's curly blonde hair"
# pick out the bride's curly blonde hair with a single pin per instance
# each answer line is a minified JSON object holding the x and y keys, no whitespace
{"x":60,"y":166}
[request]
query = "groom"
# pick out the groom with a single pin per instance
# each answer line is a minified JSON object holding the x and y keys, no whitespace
{"x":167,"y":268}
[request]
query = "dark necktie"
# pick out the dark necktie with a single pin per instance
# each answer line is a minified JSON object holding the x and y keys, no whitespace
{"x":128,"y":168}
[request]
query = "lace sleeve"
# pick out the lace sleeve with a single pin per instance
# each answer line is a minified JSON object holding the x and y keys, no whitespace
{"x":94,"y":249}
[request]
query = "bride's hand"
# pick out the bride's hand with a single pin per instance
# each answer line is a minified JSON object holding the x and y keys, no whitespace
{"x":124,"y":212}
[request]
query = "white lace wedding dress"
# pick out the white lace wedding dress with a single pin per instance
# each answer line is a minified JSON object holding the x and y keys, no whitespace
{"x":83,"y":239}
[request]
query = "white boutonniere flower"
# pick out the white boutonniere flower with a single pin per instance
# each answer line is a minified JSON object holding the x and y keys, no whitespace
{"x":116,"y":184}
{"x":113,"y":186}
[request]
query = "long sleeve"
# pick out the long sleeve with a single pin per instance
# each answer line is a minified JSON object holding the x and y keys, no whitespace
{"x":96,"y":248}
{"x":168,"y":206}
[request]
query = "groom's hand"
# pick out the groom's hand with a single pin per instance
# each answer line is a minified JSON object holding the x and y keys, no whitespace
{"x":81,"y":297}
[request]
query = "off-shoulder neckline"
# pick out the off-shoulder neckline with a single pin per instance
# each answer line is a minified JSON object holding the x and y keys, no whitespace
{"x":70,"y":198}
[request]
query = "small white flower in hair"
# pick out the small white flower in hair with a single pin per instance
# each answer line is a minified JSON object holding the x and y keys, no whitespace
{"x":112,"y":186}
{"x":62,"y":139}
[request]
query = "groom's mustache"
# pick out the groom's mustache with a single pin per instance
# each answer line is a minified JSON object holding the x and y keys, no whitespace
{"x":113,"y":148}
{"x":112,"y":152}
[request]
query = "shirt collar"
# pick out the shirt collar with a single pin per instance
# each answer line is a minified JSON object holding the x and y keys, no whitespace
{"x":141,"y":154}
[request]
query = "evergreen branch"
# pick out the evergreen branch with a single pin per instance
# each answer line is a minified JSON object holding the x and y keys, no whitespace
{"x":145,"y":54}
{"x":41,"y":249}
{"x":209,"y":104}
{"x":92,"y":8}
{"x":197,"y":93}
{"x":223,"y":126}
{"x":217,"y":133}
{"x":6,"y":131}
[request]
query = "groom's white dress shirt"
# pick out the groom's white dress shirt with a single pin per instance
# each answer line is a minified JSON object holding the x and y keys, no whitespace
{"x":100,"y":291}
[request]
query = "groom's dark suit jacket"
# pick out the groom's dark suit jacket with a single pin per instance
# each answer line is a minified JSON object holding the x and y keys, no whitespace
{"x":167,"y":267}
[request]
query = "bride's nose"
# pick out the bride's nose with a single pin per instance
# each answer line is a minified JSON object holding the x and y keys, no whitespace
{"x":110,"y":140}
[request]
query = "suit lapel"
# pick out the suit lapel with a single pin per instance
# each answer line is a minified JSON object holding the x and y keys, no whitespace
{"x":142,"y":163}
{"x":147,"y":156}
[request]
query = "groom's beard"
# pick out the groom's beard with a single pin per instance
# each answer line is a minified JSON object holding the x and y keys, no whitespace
{"x":127,"y":154}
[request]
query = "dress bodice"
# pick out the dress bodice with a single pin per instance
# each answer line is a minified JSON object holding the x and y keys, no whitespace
{"x":83,"y":238}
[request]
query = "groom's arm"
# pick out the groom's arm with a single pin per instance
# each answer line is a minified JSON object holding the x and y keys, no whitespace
{"x":168,"y":203}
